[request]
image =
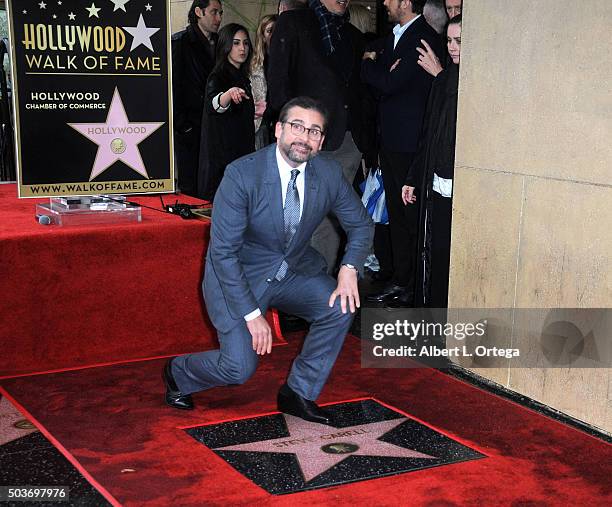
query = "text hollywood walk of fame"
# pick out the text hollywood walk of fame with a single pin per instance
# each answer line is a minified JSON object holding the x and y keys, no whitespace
{"x":71,"y":60}
{"x":49,"y":39}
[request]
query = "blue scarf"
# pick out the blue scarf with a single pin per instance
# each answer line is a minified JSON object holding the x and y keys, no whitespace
{"x":330,"y":25}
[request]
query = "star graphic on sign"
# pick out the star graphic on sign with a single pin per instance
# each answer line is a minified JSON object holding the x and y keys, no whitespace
{"x":141,"y":34}
{"x":54,"y":16}
{"x":319,"y":447}
{"x":24,"y":11}
{"x":119,"y":4}
{"x":59,"y":2}
{"x":148,"y":7}
{"x":42,"y":5}
{"x":72,"y":15}
{"x":93,"y":10}
{"x":117,"y":138}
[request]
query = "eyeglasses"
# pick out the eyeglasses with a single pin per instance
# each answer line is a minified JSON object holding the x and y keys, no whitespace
{"x":298,"y":129}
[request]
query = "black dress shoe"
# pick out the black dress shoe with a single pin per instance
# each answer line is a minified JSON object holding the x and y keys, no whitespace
{"x":290,"y":402}
{"x":400,"y":300}
{"x":387,"y":293}
{"x":174,"y":397}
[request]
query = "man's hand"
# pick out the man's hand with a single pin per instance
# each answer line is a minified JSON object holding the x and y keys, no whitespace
{"x":347,"y":290}
{"x":369,"y":54}
{"x":408,"y":196}
{"x":262,"y":335}
{"x":428,"y":59}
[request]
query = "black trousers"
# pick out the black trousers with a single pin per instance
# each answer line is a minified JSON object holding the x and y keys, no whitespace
{"x":187,"y":151}
{"x":382,"y":248}
{"x":441,"y":214}
{"x":403,"y":220}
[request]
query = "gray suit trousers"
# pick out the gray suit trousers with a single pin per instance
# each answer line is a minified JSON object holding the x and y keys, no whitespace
{"x":235,"y":361}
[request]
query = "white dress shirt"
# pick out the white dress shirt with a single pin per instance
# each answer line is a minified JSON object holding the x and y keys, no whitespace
{"x":216,"y":103}
{"x":284,"y":171}
{"x":399,"y":30}
{"x":443,"y":186}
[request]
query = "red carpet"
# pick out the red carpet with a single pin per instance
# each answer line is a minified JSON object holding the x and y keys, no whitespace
{"x":83,"y":295}
{"x":112,"y":420}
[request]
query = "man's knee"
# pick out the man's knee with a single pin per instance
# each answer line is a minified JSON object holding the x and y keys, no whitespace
{"x":334,"y":314}
{"x":237,"y":372}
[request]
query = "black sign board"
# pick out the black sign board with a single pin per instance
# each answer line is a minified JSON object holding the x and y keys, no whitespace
{"x":92,"y":97}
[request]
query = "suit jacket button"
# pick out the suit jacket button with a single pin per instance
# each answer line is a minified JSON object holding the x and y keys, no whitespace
{"x":269,"y":280}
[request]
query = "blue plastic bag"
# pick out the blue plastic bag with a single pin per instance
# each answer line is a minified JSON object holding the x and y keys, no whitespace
{"x":374,"y":197}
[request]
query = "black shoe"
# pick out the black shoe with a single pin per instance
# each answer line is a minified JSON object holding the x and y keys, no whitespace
{"x":174,"y":397}
{"x":400,"y":300}
{"x":290,"y":402}
{"x":386,"y":294}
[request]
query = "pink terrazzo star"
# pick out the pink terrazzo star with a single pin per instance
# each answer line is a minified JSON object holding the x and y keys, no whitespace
{"x":117,"y":139}
{"x":319,"y":447}
{"x":13,"y":424}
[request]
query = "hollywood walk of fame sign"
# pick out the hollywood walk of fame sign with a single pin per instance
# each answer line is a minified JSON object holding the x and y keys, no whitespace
{"x":285,"y":454}
{"x":92,"y":96}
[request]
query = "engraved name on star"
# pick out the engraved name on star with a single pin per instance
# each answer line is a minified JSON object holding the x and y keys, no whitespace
{"x":93,"y":10}
{"x":319,"y":447}
{"x":117,"y":138}
{"x":119,"y":4}
{"x":141,"y":34}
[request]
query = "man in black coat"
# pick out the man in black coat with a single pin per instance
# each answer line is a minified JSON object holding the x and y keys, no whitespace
{"x":193,"y":58}
{"x":404,"y":88}
{"x":316,"y":52}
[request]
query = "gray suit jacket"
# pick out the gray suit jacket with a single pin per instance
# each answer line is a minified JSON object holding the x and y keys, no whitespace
{"x":247,"y":240}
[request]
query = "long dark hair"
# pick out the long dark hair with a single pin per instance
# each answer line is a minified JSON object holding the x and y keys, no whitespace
{"x":453,"y":21}
{"x":225,"y":44}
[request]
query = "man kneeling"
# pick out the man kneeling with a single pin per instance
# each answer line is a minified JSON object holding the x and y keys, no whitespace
{"x":259,"y":256}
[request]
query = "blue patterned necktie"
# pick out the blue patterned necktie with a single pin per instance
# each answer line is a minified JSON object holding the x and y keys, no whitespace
{"x":291,"y":211}
{"x":291,"y":214}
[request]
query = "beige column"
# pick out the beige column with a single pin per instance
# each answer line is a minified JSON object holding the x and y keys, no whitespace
{"x":532,"y":210}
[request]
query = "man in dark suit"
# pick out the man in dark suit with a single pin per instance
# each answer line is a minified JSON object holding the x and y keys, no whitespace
{"x":403,"y":87}
{"x":193,"y":58}
{"x":316,"y":52}
{"x":266,"y":209}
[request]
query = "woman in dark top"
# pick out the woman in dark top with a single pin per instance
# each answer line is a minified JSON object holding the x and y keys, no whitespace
{"x":435,"y":161}
{"x":227,"y":121}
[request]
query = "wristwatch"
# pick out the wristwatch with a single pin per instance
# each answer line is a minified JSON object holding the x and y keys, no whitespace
{"x":350,"y":266}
